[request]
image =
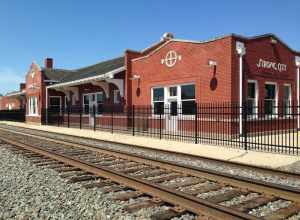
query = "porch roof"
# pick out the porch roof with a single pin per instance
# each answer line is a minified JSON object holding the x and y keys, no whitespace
{"x":15,"y":93}
{"x":78,"y":76}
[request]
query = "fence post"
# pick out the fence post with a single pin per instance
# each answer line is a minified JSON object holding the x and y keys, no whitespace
{"x":245,"y":130}
{"x":80,"y":118}
{"x":112,"y":119}
{"x":196,"y":123}
{"x":160,"y":125}
{"x":63,"y":111}
{"x":68,"y":116}
{"x":94,"y":114}
{"x":57,"y":117}
{"x":46,"y":116}
{"x":133,"y":121}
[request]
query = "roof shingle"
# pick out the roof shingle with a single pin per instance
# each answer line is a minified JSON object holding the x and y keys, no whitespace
{"x":101,"y":68}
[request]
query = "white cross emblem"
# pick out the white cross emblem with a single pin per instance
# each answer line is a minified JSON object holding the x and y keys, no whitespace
{"x":171,"y":58}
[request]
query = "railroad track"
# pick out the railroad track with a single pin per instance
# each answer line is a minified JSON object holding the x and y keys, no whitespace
{"x":185,"y":190}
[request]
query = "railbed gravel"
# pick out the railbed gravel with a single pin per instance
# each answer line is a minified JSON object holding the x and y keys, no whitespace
{"x":179,"y":159}
{"x":269,"y":208}
{"x":30,"y":192}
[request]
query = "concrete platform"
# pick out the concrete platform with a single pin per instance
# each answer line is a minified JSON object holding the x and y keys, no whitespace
{"x":261,"y":159}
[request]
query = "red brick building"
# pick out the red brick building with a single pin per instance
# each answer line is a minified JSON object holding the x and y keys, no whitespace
{"x":13,"y":100}
{"x":174,"y":72}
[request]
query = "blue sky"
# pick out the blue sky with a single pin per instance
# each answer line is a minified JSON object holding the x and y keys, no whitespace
{"x":77,"y":33}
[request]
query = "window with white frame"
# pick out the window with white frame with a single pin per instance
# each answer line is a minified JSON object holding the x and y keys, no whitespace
{"x":32,"y":106}
{"x":188,"y":100}
{"x":287,"y":99}
{"x":93,"y":99}
{"x":252,"y":100}
{"x":158,"y":100}
{"x":270,"y":101}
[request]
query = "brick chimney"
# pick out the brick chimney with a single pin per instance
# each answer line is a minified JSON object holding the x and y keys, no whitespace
{"x":48,"y":63}
{"x":22,"y":86}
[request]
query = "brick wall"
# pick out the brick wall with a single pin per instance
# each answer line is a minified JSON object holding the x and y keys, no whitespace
{"x":16,"y":102}
{"x":212,"y":84}
{"x":35,"y":88}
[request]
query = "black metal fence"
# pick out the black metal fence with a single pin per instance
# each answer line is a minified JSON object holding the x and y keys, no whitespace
{"x":266,"y":126}
{"x":12,"y":115}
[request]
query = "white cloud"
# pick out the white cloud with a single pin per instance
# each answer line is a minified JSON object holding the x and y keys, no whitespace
{"x":10,"y":79}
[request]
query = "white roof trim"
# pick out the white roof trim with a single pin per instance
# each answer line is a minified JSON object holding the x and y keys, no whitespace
{"x":214,"y":39}
{"x":15,"y":94}
{"x":109,"y":74}
{"x":179,"y":40}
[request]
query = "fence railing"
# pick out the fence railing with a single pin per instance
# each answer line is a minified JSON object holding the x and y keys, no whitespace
{"x":271,"y":127}
{"x":17,"y":115}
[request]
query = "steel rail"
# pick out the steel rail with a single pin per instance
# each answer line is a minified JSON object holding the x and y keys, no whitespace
{"x":270,"y":189}
{"x":190,"y":203}
{"x":231,"y":163}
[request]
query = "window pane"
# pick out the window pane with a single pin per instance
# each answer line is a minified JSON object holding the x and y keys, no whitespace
{"x":287,"y":100}
{"x":158,"y":108}
{"x":99,"y":108}
{"x":251,"y":107}
{"x":251,"y":90}
{"x":99,"y":98}
{"x":269,"y":107}
{"x":86,"y":99}
{"x":286,"y":93}
{"x":86,"y":109}
{"x":173,"y":108}
{"x":270,"y":91}
{"x":54,"y":101}
{"x":188,"y":92}
{"x":158,"y":94}
{"x":188,"y":107}
{"x":173,"y":91}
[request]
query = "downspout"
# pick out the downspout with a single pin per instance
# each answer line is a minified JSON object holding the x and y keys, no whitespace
{"x":241,"y":50}
{"x":297,"y":60}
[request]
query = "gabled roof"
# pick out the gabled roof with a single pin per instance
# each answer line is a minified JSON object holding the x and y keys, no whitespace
{"x":63,"y":76}
{"x":56,"y":74}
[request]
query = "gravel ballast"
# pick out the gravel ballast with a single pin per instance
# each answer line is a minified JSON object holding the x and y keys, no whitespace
{"x":28,"y":192}
{"x":176,"y":158}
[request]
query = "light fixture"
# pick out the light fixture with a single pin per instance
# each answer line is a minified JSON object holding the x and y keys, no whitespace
{"x":135,"y":77}
{"x":212,"y":63}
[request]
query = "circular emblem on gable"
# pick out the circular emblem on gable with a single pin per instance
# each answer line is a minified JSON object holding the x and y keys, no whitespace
{"x":171,"y":58}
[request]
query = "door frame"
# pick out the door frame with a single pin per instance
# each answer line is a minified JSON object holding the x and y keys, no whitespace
{"x":91,"y":105}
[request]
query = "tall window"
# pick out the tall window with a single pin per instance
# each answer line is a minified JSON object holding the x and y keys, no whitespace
{"x":86,"y":105}
{"x":252,"y":98}
{"x":33,"y":106}
{"x":100,"y":101}
{"x":158,"y":100}
{"x":188,"y":99}
{"x":270,"y":99}
{"x":287,"y":99}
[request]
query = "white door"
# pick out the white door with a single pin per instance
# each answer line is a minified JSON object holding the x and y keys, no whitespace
{"x":172,"y":116}
{"x":92,"y":105}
